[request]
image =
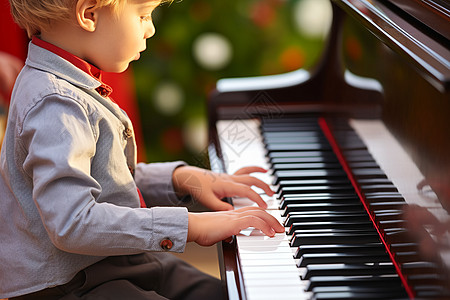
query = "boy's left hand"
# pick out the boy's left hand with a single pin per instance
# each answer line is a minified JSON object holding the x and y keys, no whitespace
{"x":209,"y":188}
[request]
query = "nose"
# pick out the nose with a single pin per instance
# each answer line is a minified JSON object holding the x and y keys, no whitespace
{"x":149,"y":30}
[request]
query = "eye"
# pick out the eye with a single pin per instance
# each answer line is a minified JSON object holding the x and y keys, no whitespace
{"x":146,"y":18}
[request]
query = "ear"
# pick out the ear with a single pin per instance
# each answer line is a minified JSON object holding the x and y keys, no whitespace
{"x":87,"y":14}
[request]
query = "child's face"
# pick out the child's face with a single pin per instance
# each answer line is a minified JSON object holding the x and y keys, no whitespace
{"x":122,"y":36}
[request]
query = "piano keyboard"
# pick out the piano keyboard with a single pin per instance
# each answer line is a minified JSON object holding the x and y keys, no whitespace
{"x":331,"y":248}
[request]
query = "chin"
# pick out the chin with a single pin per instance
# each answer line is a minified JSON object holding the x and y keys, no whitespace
{"x":119,"y":68}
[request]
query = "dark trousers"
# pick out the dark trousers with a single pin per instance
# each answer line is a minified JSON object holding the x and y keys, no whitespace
{"x":142,"y":276}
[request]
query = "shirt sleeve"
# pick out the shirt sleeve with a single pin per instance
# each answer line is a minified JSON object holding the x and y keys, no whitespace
{"x":61,"y":142}
{"x":155,"y":183}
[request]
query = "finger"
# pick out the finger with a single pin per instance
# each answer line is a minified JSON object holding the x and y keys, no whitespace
{"x":268,"y":218}
{"x":256,"y":222}
{"x":260,"y":220}
{"x":242,"y":190}
{"x":419,"y":216}
{"x":217,"y":204}
{"x":249,"y":170}
{"x":250,"y":181}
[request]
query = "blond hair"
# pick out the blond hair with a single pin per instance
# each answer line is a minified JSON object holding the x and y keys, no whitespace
{"x":35,"y":15}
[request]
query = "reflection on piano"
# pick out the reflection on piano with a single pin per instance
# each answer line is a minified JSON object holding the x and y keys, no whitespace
{"x":359,"y":163}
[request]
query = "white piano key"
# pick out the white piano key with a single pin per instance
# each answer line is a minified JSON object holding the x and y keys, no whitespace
{"x":265,"y":249}
{"x":255,"y":236}
{"x":265,"y":255}
{"x":263,"y":282}
{"x":266,"y":177}
{"x":265,"y":262}
{"x":272,"y":203}
{"x":251,"y":275}
{"x":284,"y":292}
{"x":292,"y":270}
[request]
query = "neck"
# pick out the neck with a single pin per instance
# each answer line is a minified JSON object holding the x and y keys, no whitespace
{"x":69,"y":37}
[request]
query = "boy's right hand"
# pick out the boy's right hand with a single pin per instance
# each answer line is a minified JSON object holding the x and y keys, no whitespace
{"x":209,"y":228}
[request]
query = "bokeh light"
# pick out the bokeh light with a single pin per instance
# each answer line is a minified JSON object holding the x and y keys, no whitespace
{"x":195,"y":134}
{"x":212,"y":51}
{"x":168,"y":98}
{"x":313,"y":17}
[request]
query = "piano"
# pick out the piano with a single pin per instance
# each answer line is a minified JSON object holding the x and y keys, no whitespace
{"x":357,"y":151}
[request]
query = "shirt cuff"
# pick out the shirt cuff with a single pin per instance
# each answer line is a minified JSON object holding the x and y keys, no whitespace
{"x":170,"y":229}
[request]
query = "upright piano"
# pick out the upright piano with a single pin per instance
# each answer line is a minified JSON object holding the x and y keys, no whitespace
{"x":358,"y":152}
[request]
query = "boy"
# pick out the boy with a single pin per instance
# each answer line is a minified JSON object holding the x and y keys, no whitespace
{"x":73,"y":224}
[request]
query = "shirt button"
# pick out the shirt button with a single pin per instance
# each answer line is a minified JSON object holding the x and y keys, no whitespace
{"x":128,"y":133}
{"x":166,"y":244}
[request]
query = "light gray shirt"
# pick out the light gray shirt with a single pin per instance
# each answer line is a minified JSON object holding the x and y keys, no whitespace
{"x":67,"y":197}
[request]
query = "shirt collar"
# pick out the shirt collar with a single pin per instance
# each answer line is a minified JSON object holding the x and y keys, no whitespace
{"x":104,"y":89}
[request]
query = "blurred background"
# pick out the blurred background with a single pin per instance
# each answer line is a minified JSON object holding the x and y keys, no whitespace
{"x":198,"y":42}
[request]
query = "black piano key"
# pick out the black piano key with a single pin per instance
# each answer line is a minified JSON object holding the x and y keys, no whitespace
{"x":374,"y":181}
{"x":323,"y":225}
{"x":369,"y":173}
{"x":363,"y":164}
{"x":378,"y":188}
{"x":344,"y":258}
{"x":399,"y":236}
{"x":419,"y":267}
{"x":392,"y":223}
{"x":427,"y":280}
{"x":334,"y":238}
{"x":354,"y":159}
{"x":355,"y":289}
{"x":407,"y":256}
{"x":403,"y":247}
{"x":309,"y":159}
{"x":349,"y":269}
{"x":290,"y":127}
{"x":339,"y":248}
{"x":393,"y":230}
{"x":391,"y":214}
{"x":297,"y":147}
{"x":344,"y":207}
{"x":317,"y":199}
{"x":305,"y":195}
{"x":366,"y":281}
{"x":308,"y":174}
{"x":352,"y":144}
{"x":291,"y":134}
{"x":383,"y":198}
{"x":284,"y":154}
{"x":289,"y":189}
{"x":269,"y":140}
{"x":351,"y":153}
{"x":300,"y":119}
{"x":379,"y":295}
{"x":381,"y":194}
{"x":333,"y":230}
{"x":432,"y":292}
{"x":387,"y":205}
{"x":307,"y":166}
{"x":324,"y":188}
{"x":323,"y":216}
{"x":315,"y":182}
